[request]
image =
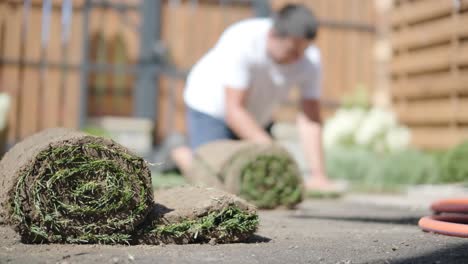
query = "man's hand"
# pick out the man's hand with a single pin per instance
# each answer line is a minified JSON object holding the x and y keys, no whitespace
{"x":310,"y":131}
{"x":240,"y":120}
{"x":319,"y":182}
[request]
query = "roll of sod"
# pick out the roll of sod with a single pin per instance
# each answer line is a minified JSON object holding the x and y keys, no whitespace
{"x":265,"y":175}
{"x":61,"y":186}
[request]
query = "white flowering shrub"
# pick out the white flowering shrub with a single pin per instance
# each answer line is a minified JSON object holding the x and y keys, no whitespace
{"x":397,"y":138}
{"x":340,"y":130}
{"x":376,"y":129}
{"x":4,"y":108}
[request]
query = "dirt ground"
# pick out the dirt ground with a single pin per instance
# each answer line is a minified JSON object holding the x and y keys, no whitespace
{"x":318,"y":232}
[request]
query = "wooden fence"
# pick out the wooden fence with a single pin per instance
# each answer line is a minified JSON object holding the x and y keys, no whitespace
{"x":49,"y":96}
{"x":44,"y":96}
{"x":20,"y":41}
{"x":43,"y":74}
{"x":430,"y":70}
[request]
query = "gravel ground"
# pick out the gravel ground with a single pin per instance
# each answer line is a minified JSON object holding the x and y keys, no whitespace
{"x":318,"y":232}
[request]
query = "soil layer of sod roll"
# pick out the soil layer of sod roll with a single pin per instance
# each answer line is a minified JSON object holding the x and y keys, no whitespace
{"x":60,"y":186}
{"x":265,"y":175}
{"x":198,"y":215}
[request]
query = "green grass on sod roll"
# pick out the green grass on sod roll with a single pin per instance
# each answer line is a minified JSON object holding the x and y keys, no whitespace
{"x":80,"y":198}
{"x":270,"y":181}
{"x":265,"y":175}
{"x":222,"y":226}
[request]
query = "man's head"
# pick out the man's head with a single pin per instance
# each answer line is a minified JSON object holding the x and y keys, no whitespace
{"x":294,"y":27}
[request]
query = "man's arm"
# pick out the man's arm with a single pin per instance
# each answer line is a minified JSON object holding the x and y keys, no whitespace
{"x":240,"y":120}
{"x":310,"y":130}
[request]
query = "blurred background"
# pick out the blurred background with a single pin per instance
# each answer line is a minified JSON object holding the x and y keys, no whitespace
{"x":395,"y":87}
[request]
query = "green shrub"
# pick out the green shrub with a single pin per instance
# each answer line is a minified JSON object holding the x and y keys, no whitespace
{"x":368,"y":171}
{"x":349,"y":163}
{"x":454,"y":164}
{"x":403,"y":168}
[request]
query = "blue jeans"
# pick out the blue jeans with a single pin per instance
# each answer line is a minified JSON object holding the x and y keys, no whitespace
{"x":203,"y":128}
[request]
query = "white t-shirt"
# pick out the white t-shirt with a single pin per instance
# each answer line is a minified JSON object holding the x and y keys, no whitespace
{"x":239,"y":60}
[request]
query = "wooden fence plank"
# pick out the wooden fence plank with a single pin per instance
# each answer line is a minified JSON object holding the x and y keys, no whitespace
{"x":51,"y":90}
{"x":431,"y":32}
{"x":428,"y":33}
{"x":462,"y":54}
{"x":11,"y":72}
{"x":438,"y":111}
{"x":461,"y":110}
{"x":433,"y":111}
{"x":430,"y":86}
{"x":461,"y":28}
{"x":72,"y":81}
{"x":425,"y":60}
{"x":438,"y":138}
{"x":412,"y":12}
{"x":31,"y":76}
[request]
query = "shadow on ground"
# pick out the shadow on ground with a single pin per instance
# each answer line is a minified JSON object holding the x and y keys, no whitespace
{"x":365,"y":219}
{"x":257,"y":239}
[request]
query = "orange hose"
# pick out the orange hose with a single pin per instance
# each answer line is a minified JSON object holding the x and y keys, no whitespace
{"x":453,"y":220}
{"x":451,"y":206}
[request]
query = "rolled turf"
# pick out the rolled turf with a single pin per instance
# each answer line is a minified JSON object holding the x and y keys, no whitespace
{"x":265,"y":175}
{"x":61,"y":186}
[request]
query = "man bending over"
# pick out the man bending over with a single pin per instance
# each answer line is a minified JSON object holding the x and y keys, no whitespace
{"x":233,"y":90}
